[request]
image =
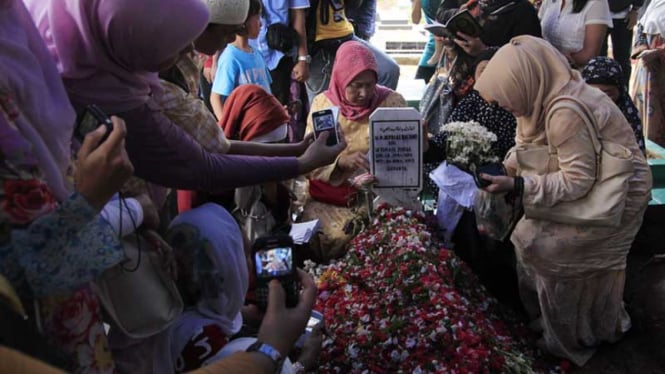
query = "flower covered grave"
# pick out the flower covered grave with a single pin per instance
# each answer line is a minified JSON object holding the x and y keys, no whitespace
{"x":398,"y":303}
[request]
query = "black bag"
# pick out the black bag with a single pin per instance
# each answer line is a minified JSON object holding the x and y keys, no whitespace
{"x":281,"y":37}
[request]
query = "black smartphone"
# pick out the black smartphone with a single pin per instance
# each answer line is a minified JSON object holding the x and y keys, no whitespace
{"x":89,"y":120}
{"x":490,"y":169}
{"x":273,"y":259}
{"x":326,"y":121}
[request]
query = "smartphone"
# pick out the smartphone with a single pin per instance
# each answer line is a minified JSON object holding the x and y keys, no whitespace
{"x":491,"y":169}
{"x":326,"y":121}
{"x":273,"y":259}
{"x":89,"y":120}
{"x":314,"y":319}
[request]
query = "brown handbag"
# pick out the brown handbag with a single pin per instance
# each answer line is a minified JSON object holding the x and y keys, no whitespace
{"x":604,"y":204}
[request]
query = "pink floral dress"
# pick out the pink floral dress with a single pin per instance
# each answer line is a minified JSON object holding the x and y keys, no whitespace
{"x":50,"y":251}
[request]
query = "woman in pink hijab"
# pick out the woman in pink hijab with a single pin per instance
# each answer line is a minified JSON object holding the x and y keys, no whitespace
{"x":109,"y":53}
{"x":354,"y":89}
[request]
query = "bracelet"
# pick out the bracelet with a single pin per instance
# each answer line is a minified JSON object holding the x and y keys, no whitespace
{"x":515,"y":196}
{"x":518,"y":186}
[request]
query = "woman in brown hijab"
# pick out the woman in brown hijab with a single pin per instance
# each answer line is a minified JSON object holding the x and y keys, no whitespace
{"x":571,"y":276}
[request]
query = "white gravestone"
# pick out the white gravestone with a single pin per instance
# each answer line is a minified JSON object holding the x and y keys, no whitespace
{"x":396,"y":158}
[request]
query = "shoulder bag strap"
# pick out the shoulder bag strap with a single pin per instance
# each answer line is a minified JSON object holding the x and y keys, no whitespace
{"x":446,"y":84}
{"x":443,"y":62}
{"x":583,"y":112}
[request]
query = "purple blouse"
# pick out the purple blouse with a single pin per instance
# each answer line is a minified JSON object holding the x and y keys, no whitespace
{"x":164,"y":154}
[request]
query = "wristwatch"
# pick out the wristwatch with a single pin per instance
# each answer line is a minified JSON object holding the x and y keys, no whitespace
{"x":306,"y":58}
{"x":268,"y":350}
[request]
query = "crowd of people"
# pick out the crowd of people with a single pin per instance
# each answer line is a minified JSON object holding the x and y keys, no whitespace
{"x":209,"y":106}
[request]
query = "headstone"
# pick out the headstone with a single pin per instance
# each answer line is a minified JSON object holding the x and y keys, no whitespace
{"x":396,"y":159}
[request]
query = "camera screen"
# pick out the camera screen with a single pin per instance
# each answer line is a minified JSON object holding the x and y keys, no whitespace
{"x":314,"y":319}
{"x":274,"y":262}
{"x":87,"y":124}
{"x":324,"y":122}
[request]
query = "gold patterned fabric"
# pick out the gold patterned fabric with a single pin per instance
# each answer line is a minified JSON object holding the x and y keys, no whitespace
{"x":190,"y":114}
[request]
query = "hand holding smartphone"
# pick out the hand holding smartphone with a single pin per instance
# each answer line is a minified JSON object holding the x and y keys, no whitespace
{"x":326,"y":121}
{"x":88,"y":121}
{"x":489,"y":169}
{"x":102,"y":166}
{"x":273,"y":259}
{"x":315,"y":318}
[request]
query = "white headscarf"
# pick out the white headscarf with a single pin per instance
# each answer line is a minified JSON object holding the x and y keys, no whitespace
{"x":209,"y":246}
{"x":228,"y":12}
{"x":653,"y":19}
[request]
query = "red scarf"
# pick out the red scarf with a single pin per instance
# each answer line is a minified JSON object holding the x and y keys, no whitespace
{"x":352,"y":59}
{"x":250,"y":111}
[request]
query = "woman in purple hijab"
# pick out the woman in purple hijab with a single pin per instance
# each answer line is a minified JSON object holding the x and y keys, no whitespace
{"x":109,"y":53}
{"x":52,"y":240}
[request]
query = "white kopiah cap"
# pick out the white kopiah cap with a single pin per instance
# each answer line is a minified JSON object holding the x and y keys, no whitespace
{"x":228,"y":12}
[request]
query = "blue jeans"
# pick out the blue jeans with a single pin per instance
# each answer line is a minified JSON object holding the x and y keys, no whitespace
{"x":321,"y":68}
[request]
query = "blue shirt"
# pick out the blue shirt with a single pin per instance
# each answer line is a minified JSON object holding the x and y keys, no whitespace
{"x":430,"y":7}
{"x":236,"y":67}
{"x":274,"y":11}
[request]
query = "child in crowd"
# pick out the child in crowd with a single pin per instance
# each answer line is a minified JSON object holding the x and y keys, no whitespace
{"x":240,"y":63}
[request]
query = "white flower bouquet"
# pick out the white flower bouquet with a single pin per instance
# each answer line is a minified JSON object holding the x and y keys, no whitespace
{"x":469,"y":143}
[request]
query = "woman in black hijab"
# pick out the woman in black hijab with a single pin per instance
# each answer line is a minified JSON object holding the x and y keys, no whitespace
{"x":473,"y":108}
{"x":606,"y":74}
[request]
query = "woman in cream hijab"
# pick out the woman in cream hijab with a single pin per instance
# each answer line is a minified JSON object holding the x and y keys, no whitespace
{"x":571,"y":276}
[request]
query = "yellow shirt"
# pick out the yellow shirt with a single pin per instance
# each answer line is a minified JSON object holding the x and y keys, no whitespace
{"x":356,"y":133}
{"x":338,"y":26}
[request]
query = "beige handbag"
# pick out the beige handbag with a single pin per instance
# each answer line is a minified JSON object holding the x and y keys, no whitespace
{"x":603,"y":205}
{"x":139,"y":294}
